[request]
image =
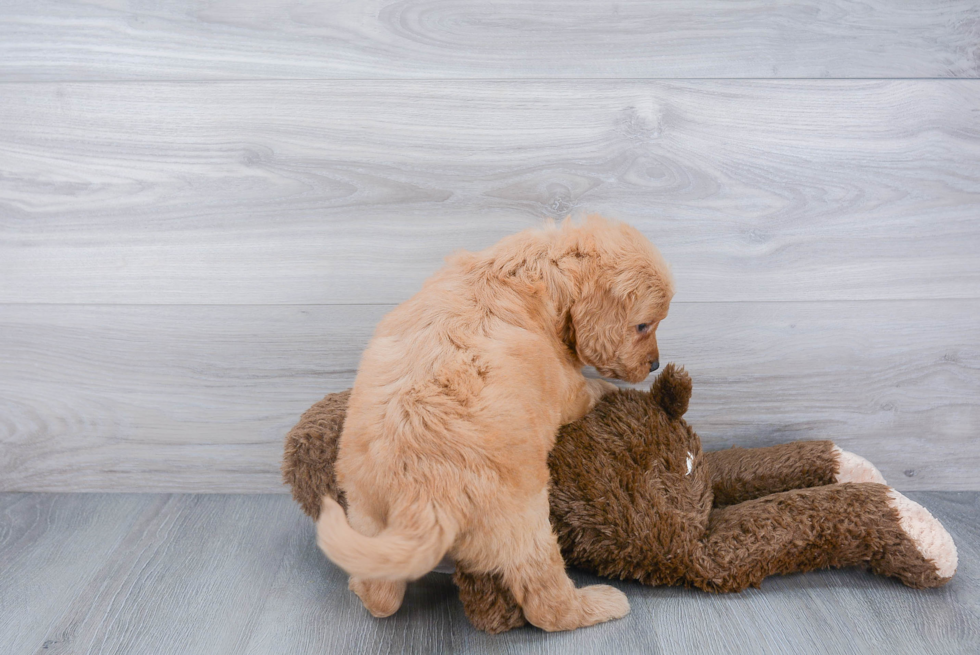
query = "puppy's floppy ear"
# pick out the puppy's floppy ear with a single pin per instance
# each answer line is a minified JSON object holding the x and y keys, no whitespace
{"x":597,"y":321}
{"x":672,"y":390}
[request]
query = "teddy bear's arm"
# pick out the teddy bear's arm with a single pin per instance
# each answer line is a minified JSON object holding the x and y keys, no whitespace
{"x":487,"y":602}
{"x":740,"y":474}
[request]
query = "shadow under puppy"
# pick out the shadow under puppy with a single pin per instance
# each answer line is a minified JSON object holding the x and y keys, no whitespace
{"x":633,"y":496}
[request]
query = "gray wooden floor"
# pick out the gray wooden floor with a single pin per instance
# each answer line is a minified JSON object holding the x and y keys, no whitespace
{"x":184,"y":574}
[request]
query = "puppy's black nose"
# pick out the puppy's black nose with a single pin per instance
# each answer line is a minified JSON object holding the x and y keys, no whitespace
{"x":654,"y":365}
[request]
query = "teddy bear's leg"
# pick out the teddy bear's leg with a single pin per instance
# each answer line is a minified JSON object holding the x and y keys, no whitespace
{"x":487,"y":601}
{"x":831,"y":526}
{"x":740,"y":474}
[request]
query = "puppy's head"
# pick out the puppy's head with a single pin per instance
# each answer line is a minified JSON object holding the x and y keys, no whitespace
{"x":625,"y":292}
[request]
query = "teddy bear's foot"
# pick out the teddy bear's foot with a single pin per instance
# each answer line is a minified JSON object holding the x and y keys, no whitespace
{"x":914,"y":547}
{"x":381,"y":597}
{"x":854,"y":468}
{"x":930,"y":538}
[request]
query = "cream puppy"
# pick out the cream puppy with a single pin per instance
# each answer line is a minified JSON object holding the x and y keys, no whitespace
{"x":456,"y":405}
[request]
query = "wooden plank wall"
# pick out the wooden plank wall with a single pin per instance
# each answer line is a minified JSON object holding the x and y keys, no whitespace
{"x":204,"y":209}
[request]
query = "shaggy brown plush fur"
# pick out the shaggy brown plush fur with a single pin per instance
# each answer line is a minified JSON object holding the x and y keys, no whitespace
{"x":634,"y":497}
{"x":311,"y":450}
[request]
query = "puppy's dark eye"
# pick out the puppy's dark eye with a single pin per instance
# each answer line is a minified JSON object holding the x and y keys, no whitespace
{"x":642,"y":327}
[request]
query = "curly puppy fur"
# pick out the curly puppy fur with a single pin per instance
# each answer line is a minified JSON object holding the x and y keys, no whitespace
{"x":634,"y":497}
{"x":457,"y":402}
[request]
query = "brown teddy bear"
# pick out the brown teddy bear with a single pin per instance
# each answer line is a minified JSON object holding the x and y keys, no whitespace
{"x":634,"y":497}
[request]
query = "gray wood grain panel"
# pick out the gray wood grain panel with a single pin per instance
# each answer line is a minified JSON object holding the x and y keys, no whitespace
{"x":197,"y":398}
{"x":338,"y":192}
{"x":221,"y":39}
{"x":53,"y":548}
{"x":241,"y":574}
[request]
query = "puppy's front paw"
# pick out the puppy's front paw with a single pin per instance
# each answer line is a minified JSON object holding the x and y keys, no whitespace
{"x":585,"y":398}
{"x":599,"y":388}
{"x":603,"y":603}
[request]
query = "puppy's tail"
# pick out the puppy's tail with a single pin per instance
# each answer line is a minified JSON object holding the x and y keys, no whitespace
{"x":395,"y":554}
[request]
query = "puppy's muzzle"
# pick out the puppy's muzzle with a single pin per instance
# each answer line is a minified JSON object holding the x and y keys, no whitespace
{"x":654,"y":365}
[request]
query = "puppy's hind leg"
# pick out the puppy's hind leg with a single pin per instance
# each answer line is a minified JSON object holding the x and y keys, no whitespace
{"x":380,"y":597}
{"x":533,"y":568}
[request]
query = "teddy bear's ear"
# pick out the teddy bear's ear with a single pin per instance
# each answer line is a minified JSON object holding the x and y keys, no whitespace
{"x":672,"y":390}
